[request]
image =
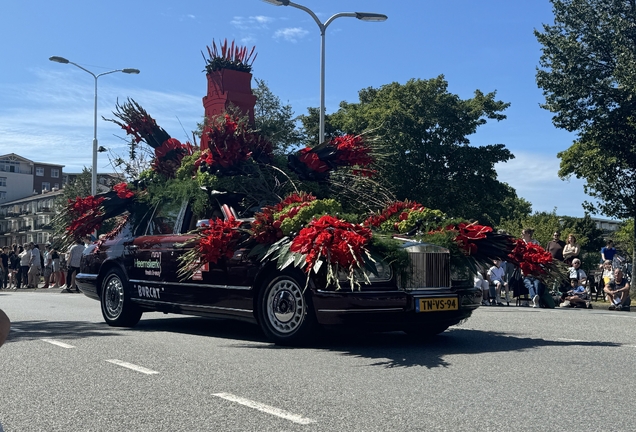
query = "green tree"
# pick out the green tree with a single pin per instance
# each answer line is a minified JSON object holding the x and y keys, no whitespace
{"x":588,"y":76}
{"x":625,"y":237}
{"x":80,"y":187}
{"x":424,"y":130}
{"x":274,"y":120}
{"x":311,"y":127}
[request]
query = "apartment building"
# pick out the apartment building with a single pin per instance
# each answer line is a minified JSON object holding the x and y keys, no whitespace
{"x":28,"y":219}
{"x":21,"y":177}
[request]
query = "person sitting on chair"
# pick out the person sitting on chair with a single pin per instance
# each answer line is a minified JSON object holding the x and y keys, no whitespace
{"x":617,"y":292}
{"x":481,"y":283}
{"x":577,"y":296}
{"x":496,"y":277}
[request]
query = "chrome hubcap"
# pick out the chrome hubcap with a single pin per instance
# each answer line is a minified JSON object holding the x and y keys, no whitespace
{"x":285,"y":306}
{"x":114,"y":297}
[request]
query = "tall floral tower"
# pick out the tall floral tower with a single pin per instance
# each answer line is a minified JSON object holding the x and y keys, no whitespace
{"x":229,"y":81}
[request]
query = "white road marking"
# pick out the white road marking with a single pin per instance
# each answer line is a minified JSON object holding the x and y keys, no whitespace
{"x":265,"y":408}
{"x":15,"y":329}
{"x":60,"y":344}
{"x":133,"y":367}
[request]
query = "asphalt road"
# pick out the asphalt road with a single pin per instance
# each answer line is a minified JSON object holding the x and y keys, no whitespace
{"x":506,"y":368}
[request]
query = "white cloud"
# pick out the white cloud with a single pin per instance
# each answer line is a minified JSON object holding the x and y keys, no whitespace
{"x":535,"y":177}
{"x":251,"y":23}
{"x":51,"y":120}
{"x":291,"y":34}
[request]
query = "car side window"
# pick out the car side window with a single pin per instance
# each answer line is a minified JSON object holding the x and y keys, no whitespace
{"x":166,"y":219}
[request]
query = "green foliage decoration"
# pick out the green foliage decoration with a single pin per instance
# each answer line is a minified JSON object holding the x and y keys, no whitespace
{"x":391,"y":251}
{"x":316,"y":209}
{"x":427,"y":220}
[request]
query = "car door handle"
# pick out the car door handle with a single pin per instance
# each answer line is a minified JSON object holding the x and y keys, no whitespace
{"x":130,"y":245}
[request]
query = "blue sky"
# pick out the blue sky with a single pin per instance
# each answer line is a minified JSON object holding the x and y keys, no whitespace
{"x":46,"y":108}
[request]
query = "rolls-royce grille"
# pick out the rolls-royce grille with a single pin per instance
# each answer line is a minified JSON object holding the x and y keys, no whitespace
{"x":428,"y":270}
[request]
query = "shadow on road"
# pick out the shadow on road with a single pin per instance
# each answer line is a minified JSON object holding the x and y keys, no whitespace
{"x":393,"y":350}
{"x":389,"y":350}
{"x":226,"y":329}
{"x":396,"y":349}
{"x":29,"y":330}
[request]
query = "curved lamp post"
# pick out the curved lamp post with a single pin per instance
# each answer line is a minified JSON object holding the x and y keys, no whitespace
{"x":95,"y":147}
{"x":364,"y":16}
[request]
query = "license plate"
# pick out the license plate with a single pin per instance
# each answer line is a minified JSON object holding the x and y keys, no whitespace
{"x":437,"y":304}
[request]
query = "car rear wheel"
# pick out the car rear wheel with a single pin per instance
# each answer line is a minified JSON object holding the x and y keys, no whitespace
{"x":285,"y":311}
{"x":117,"y":308}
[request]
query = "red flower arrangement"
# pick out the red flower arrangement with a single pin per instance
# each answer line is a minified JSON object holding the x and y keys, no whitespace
{"x":531,"y":258}
{"x":168,"y":156}
{"x":338,"y":242}
{"x":403,"y":208}
{"x":87,"y":215}
{"x":346,"y":150}
{"x":217,"y":240}
{"x":122,"y":191}
{"x":138,"y":123}
{"x":266,"y":229}
{"x":211,"y":243}
{"x":230,"y":143}
{"x":468,"y":236}
{"x":84,"y":205}
{"x":312,"y":160}
{"x":352,"y":151}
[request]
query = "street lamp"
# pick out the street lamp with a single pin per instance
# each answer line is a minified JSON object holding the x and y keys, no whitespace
{"x":364,"y":16}
{"x":95,"y":148}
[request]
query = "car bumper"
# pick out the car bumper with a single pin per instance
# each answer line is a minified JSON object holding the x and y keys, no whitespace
{"x":391,"y":310}
{"x":87,"y":283}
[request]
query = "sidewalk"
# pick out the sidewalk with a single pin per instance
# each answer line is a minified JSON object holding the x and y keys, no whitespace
{"x":40,"y":288}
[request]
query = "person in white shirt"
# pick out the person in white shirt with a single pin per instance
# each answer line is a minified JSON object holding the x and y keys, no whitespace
{"x":480,"y":282}
{"x":74,"y":258}
{"x":25,"y":257}
{"x":496,"y":277}
{"x":34,"y":266}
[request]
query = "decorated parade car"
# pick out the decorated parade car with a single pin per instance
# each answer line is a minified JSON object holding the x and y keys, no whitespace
{"x":226,"y":229}
{"x":139,"y":271}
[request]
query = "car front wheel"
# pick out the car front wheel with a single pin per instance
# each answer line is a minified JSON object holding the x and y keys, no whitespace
{"x":285,"y":311}
{"x":117,"y":308}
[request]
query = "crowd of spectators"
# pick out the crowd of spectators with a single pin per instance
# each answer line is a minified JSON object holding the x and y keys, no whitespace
{"x":576,"y":292}
{"x":26,"y":266}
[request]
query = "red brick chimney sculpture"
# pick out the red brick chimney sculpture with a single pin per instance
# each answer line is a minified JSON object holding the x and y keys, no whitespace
{"x":228,"y":87}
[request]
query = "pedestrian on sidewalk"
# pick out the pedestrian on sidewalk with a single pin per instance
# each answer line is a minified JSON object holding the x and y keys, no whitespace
{"x":74,"y":258}
{"x":55,"y":263}
{"x":48,"y":266}
{"x":25,"y":257}
{"x":34,"y":266}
